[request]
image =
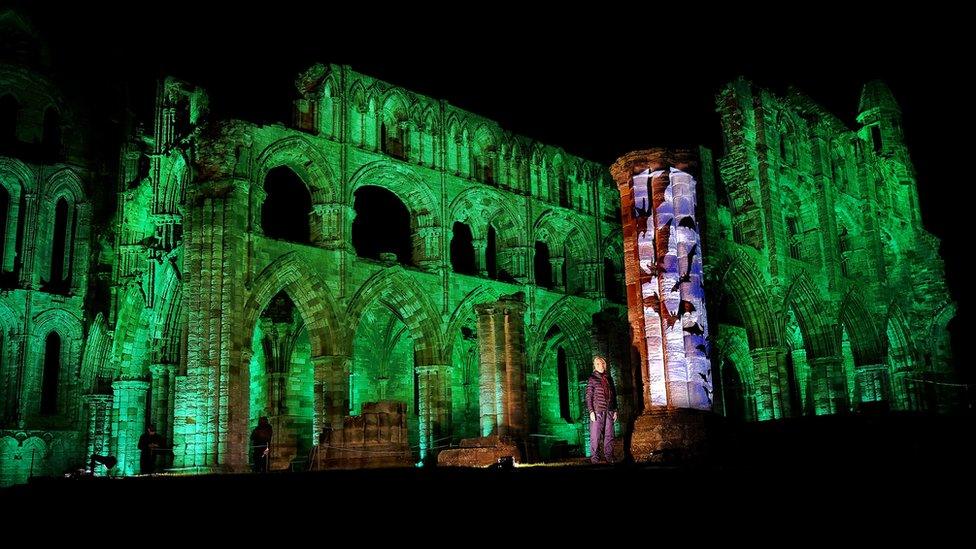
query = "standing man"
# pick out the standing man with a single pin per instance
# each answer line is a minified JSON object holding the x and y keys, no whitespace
{"x":150,"y":445}
{"x":601,"y":401}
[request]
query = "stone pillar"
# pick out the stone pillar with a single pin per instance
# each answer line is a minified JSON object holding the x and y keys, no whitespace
{"x":29,"y":279}
{"x":331,"y":391}
{"x":772,"y":383}
{"x":558,"y":280}
{"x":161,"y":392}
{"x":501,"y":348}
{"x":98,"y":428}
{"x":435,"y":407}
{"x":514,"y":260}
{"x":426,"y":247}
{"x":128,"y":423}
{"x":666,"y":304}
{"x":328,"y":221}
{"x":829,"y":385}
{"x":211,"y":427}
{"x":480,"y":246}
{"x":591,"y":279}
{"x":872,"y":388}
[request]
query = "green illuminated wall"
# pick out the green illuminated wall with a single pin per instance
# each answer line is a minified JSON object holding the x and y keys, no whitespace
{"x":164,"y":307}
{"x":814,"y":237}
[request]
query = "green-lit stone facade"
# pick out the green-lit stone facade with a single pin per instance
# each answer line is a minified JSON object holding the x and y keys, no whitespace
{"x":184,"y":303}
{"x":831,"y":296}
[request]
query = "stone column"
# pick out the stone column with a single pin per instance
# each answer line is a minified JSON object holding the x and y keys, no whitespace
{"x":327,"y":223}
{"x":128,"y":423}
{"x":435,"y":407}
{"x":772,"y":383}
{"x":589,"y":275}
{"x":29,"y":279}
{"x":480,"y":246}
{"x":513,"y":259}
{"x":331,"y":391}
{"x":501,"y":348}
{"x":558,"y":280}
{"x":161,"y":391}
{"x":666,"y":305}
{"x":829,"y":386}
{"x":211,"y":428}
{"x":426,"y":247}
{"x":99,"y":428}
{"x":872,"y":386}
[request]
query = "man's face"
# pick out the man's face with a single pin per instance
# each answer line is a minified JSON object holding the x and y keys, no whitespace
{"x":599,"y":365}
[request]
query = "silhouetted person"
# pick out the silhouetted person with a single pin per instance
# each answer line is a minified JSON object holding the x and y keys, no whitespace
{"x":261,"y":445}
{"x":150,"y":444}
{"x":601,"y":401}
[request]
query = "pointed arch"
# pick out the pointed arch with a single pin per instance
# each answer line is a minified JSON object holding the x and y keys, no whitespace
{"x":403,"y":182}
{"x":820,"y":333}
{"x":740,"y":281}
{"x":465,"y":312}
{"x":311,"y":296}
{"x":297,"y":154}
{"x":395,"y":289}
{"x":867,"y":345}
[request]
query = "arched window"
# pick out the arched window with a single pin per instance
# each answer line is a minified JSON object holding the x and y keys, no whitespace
{"x":793,"y":236}
{"x":610,"y":286}
{"x":51,"y":374}
{"x":462,"y":250}
{"x":382,"y":224}
{"x":543,"y":268}
{"x":876,"y":140}
{"x":286,"y":210}
{"x":491,"y":251}
{"x":4,"y":215}
{"x":59,"y":280}
{"x":393,"y":139}
{"x":562,"y":371}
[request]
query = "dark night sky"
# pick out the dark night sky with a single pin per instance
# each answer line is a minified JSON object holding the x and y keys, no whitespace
{"x":598,"y":86}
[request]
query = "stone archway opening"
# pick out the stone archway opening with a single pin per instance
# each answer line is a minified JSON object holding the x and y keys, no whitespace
{"x":382,"y":225}
{"x":383,"y":377}
{"x":463,"y":259}
{"x":287,"y":207}
{"x":281,"y":383}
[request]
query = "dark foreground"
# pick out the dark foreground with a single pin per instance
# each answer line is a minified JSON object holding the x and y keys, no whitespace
{"x":851,"y":466}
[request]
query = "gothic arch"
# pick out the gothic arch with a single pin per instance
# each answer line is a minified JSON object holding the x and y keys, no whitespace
{"x":297,"y":154}
{"x":308,"y":292}
{"x":394,"y":288}
{"x":821,"y":336}
{"x":404,"y":183}
{"x":480,"y":206}
{"x":13,"y":169}
{"x":569,"y":320}
{"x":130,"y":353}
{"x":551,"y":227}
{"x":465,"y":312}
{"x":741,"y":281}
{"x":867,"y":344}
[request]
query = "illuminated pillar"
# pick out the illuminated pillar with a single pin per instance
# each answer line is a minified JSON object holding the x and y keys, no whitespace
{"x":27,"y":278}
{"x":99,"y":428}
{"x":211,"y":422}
{"x":331,"y":391}
{"x":772,"y":383}
{"x":872,"y":385}
{"x":666,"y":305}
{"x":435,"y":406}
{"x":558,"y":280}
{"x":502,"y":384}
{"x":425,"y":247}
{"x":161,"y":390}
{"x":829,"y":385}
{"x":128,"y":422}
{"x":327,"y":223}
{"x":480,"y":246}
